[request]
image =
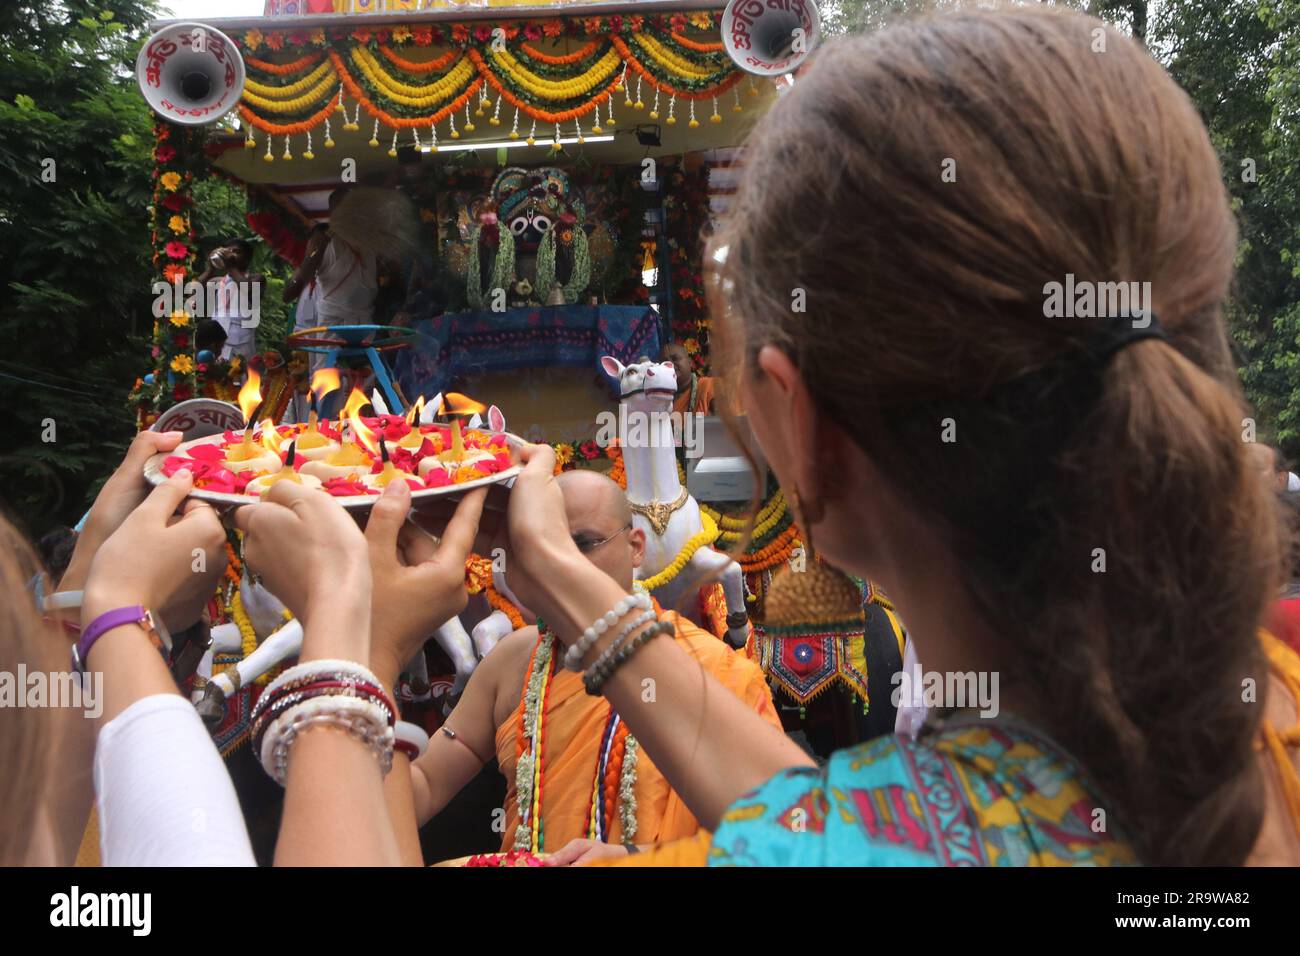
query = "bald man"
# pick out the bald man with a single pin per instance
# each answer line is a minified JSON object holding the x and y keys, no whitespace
{"x":576,"y":725}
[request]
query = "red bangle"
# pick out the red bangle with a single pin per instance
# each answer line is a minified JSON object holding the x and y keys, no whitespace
{"x":405,"y":746}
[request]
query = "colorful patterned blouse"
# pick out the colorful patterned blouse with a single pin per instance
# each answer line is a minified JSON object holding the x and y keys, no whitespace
{"x":970,"y":793}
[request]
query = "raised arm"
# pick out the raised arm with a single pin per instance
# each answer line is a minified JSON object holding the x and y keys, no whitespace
{"x":309,"y":266}
{"x":710,"y":746}
{"x":334,"y":811}
{"x":419,"y":584}
{"x":450,"y":763}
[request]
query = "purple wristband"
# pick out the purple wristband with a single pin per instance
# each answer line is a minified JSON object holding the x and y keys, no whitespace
{"x":135,"y":614}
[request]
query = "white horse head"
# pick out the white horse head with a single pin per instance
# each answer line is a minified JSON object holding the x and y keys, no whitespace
{"x":644,"y":385}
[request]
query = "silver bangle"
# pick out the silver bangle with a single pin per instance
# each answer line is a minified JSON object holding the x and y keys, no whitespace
{"x":363,"y":719}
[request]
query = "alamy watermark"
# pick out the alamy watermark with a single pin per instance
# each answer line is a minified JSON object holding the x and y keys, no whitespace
{"x":1073,"y":299}
{"x":646,"y":429}
{"x":75,"y":908}
{"x":61,"y":689}
{"x":239,"y":298}
{"x":937,"y":690}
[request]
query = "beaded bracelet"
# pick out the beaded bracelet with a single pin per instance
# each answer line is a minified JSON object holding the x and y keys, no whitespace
{"x":641,"y":619}
{"x":363,"y":719}
{"x":411,"y":739}
{"x":594,"y":679}
{"x":258,"y":725}
{"x":310,"y":669}
{"x":574,"y":655}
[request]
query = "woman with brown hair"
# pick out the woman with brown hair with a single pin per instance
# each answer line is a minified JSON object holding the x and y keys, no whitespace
{"x":1062,"y":503}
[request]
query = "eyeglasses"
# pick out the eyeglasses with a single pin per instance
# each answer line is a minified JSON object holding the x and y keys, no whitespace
{"x":587,"y":545}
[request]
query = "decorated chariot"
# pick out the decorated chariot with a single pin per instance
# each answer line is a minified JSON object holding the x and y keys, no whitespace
{"x":553,"y":171}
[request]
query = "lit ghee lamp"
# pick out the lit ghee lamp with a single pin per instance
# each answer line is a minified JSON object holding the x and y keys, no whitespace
{"x":413,"y":440}
{"x":349,"y":460}
{"x":248,"y":455}
{"x":312,"y":445}
{"x":389,"y":473}
{"x":457,"y":456}
{"x":261,"y":484}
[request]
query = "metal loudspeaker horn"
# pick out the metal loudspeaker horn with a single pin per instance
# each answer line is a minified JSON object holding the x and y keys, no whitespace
{"x":190,"y":73}
{"x":770,"y":37}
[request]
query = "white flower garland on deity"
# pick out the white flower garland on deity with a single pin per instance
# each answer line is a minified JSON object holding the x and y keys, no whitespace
{"x":579,"y":278}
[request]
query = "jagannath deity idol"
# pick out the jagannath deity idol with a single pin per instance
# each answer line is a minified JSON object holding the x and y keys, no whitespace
{"x":531,"y":245}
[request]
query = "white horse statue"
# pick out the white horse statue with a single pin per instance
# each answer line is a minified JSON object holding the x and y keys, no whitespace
{"x":278,"y":640}
{"x":661,"y":507}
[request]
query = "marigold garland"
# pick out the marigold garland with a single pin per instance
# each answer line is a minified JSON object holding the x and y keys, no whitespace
{"x":671,"y":62}
{"x":404,"y":93}
{"x":696,"y":45}
{"x":614,"y":780}
{"x":559,"y":60}
{"x":291,"y":89}
{"x":545,"y":116}
{"x":284,"y":69}
{"x":773,"y":554}
{"x":285,"y":129}
{"x":499,"y":602}
{"x":322,"y":90}
{"x":557,"y":90}
{"x":413,"y":66}
{"x":397,"y":122}
{"x":478,"y":573}
{"x":722,"y":86}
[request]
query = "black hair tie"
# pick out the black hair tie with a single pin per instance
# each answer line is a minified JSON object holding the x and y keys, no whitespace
{"x":1118,"y":333}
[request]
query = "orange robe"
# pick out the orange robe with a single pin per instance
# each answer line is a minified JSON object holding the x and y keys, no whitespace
{"x":703,"y":397}
{"x":574,"y":723}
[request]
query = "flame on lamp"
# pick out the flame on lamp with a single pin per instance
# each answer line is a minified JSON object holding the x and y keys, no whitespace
{"x":271,"y":439}
{"x":361,"y":434}
{"x":413,"y":413}
{"x":250,"y":396}
{"x":454,"y":403}
{"x":324,"y":381}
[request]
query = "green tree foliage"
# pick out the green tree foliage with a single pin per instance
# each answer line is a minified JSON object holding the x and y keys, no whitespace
{"x":75,"y":276}
{"x":1239,"y":60}
{"x":76,"y":282}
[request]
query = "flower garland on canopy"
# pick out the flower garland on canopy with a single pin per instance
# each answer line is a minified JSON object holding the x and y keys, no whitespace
{"x":178,"y":151}
{"x":677,"y":57}
{"x":686,"y":213}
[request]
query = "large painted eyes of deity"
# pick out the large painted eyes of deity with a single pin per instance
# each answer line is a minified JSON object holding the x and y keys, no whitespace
{"x":522,"y":224}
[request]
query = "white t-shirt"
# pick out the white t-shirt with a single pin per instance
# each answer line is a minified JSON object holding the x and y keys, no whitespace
{"x":347,"y":285}
{"x":232,"y":314}
{"x":306,"y":313}
{"x":165,"y":798}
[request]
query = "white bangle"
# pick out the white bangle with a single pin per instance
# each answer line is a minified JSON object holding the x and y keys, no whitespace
{"x":63,"y":600}
{"x":574,"y":655}
{"x":413,"y":734}
{"x":363,"y":719}
{"x":316,"y":668}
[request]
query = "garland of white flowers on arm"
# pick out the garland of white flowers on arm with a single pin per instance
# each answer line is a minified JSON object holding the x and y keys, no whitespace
{"x":579,"y":278}
{"x":503,"y":269}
